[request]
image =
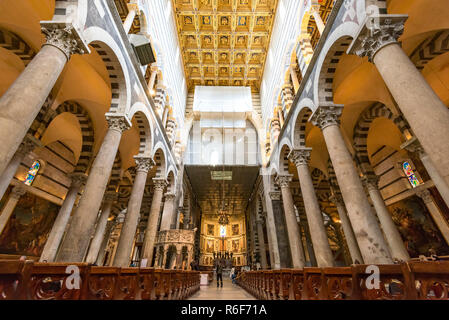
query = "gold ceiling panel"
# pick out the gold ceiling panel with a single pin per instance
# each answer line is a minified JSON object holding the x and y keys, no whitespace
{"x":224,"y":42}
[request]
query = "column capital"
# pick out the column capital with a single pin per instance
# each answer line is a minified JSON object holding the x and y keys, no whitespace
{"x":17,"y":192}
{"x":143,"y":164}
{"x":327,"y":115}
{"x":376,"y":32}
{"x":78,"y":179}
{"x":169,"y":196}
{"x":159,"y":184}
{"x":284,"y":180}
{"x":371,"y":182}
{"x":118,"y":122}
{"x":414,"y":146}
{"x":300,"y":157}
{"x":65,"y":37}
{"x":425,"y":195}
{"x":110,"y":196}
{"x":275,"y":195}
{"x":28,"y":144}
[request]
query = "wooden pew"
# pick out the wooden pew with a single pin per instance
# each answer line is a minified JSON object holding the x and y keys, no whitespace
{"x":337,"y":283}
{"x":391,"y":283}
{"x":127,"y":287}
{"x":56,"y":281}
{"x":146,"y":284}
{"x":313,"y":284}
{"x":101,"y":283}
{"x":14,"y":277}
{"x":285,"y":284}
{"x":297,"y":285}
{"x":427,"y":280}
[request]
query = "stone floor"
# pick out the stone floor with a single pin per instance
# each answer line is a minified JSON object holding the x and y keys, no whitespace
{"x":228,"y":292}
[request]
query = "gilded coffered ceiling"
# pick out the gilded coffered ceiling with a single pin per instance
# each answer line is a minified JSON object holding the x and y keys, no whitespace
{"x":224,"y":42}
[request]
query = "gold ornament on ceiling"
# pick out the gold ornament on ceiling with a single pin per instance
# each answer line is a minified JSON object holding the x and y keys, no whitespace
{"x":224,"y":42}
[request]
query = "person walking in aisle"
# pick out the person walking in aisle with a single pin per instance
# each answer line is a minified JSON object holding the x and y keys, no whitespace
{"x":219,"y":271}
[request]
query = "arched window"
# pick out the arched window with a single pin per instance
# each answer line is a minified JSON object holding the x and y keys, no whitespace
{"x":410,"y":174}
{"x":32,"y":173}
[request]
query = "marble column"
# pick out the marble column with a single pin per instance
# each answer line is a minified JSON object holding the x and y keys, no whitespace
{"x":61,"y":222}
{"x":76,"y":241}
{"x":351,"y":241}
{"x":294,"y":77}
{"x":107,"y":234}
{"x":21,"y":103}
{"x":427,"y":115}
{"x":438,"y":218}
{"x":323,"y":252}
{"x":100,"y":229}
{"x":151,"y":230}
{"x":133,"y":10}
{"x":271,"y":227}
{"x":10,"y":205}
{"x":152,"y":78}
{"x":261,"y":237}
{"x":294,"y":234}
{"x":369,"y":236}
{"x":315,"y":10}
{"x":127,"y":235}
{"x":391,"y":232}
{"x":27,"y":145}
{"x":167,"y":213}
{"x":414,"y":146}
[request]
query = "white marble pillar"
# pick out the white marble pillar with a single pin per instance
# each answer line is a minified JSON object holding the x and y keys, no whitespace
{"x":159,"y":185}
{"x":76,"y":241}
{"x":168,"y":212}
{"x":95,"y":244}
{"x":351,"y":241}
{"x":61,"y":222}
{"x":275,"y":259}
{"x":414,"y":146}
{"x":369,"y":236}
{"x":27,"y":145}
{"x":323,"y":252}
{"x":127,"y":235}
{"x":133,"y":10}
{"x":261,"y":237}
{"x":152,"y":78}
{"x":109,"y":227}
{"x":315,"y":10}
{"x":10,"y":205}
{"x":427,"y":115}
{"x":294,"y":233}
{"x":21,"y":103}
{"x":438,"y":218}
{"x":391,"y":232}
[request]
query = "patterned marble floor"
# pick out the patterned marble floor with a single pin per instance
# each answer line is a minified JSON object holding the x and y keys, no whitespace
{"x":228,"y":292}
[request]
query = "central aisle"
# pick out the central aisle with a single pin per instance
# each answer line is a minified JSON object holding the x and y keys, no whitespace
{"x":228,"y":292}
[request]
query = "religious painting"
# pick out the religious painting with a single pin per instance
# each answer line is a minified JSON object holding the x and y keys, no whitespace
{"x":235,"y":245}
{"x":210,"y":229}
{"x":28,"y":227}
{"x":417,"y":228}
{"x":188,"y":20}
{"x":209,"y":246}
{"x":235,"y":230}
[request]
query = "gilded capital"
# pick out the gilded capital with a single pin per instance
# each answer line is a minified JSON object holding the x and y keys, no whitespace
{"x":118,"y":122}
{"x":64,"y":37}
{"x":300,"y":157}
{"x":326,"y":116}
{"x":377,"y":32}
{"x":143,"y":164}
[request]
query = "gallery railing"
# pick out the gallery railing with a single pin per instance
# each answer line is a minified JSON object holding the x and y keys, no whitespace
{"x":405,"y":281}
{"x":28,"y":280}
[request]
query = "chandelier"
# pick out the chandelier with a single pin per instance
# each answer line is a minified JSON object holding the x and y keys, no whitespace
{"x":223,"y":218}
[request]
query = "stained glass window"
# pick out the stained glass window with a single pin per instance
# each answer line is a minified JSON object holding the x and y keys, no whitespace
{"x":410,"y":174}
{"x":32,"y":173}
